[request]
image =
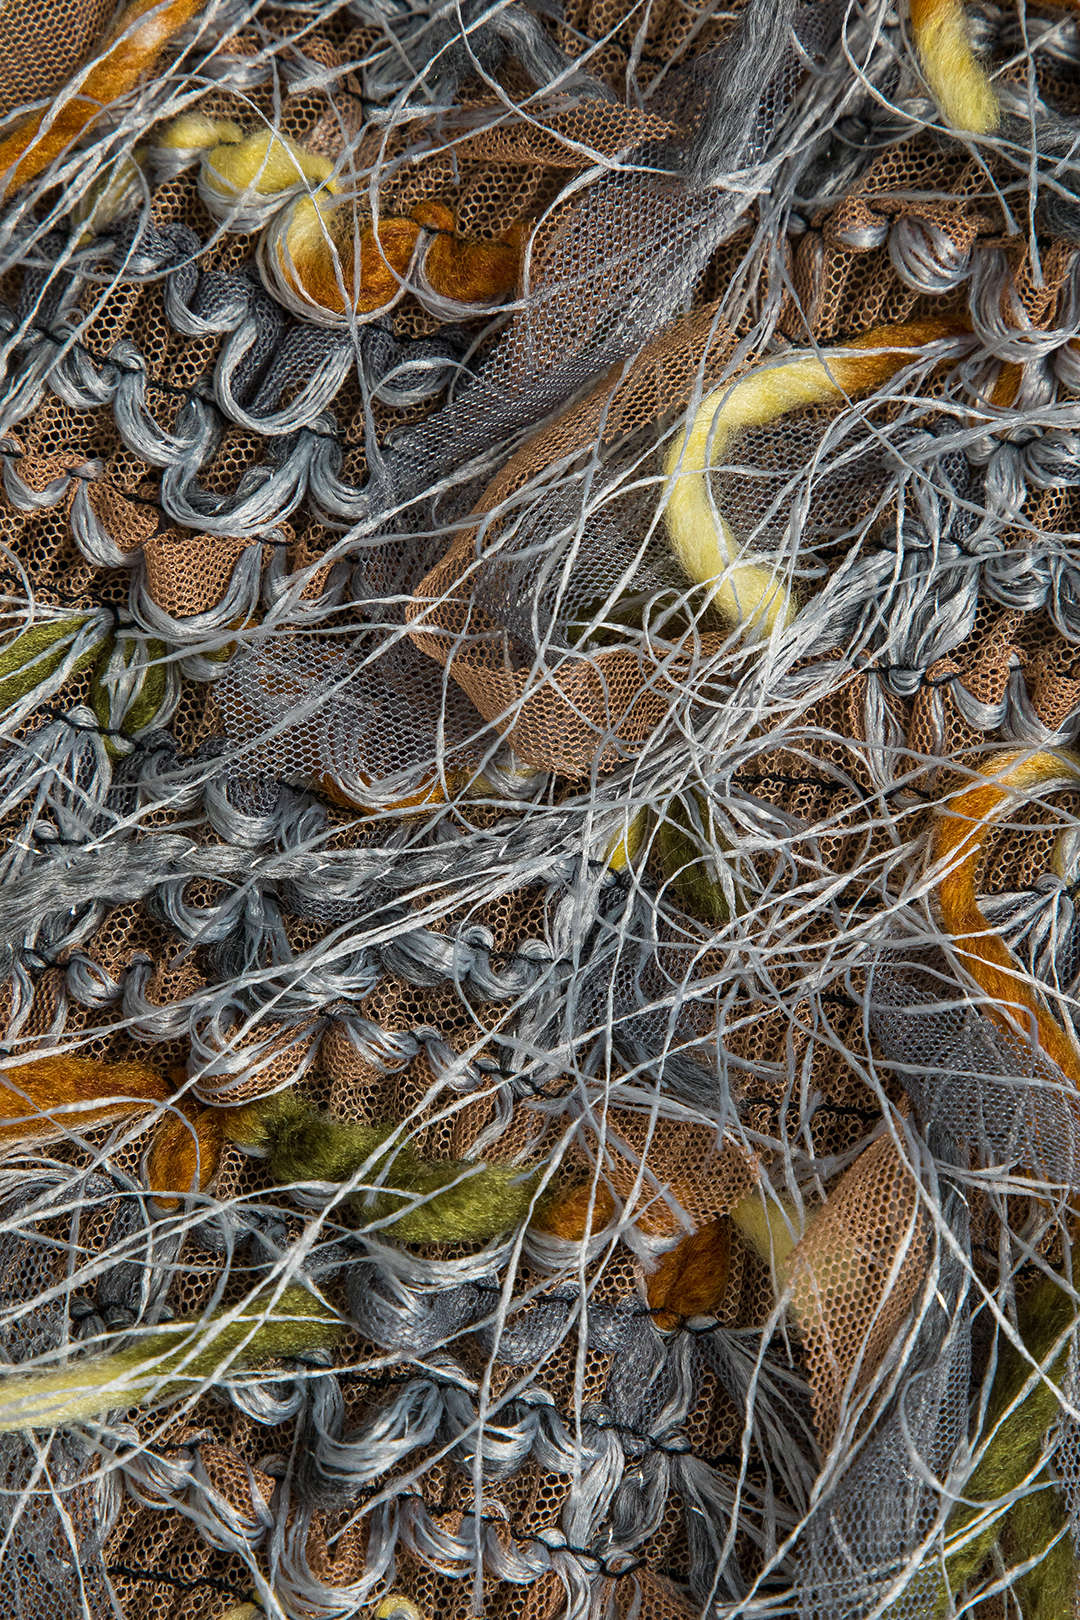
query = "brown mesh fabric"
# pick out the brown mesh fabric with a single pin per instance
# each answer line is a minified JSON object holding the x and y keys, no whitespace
{"x":41,"y":46}
{"x":161,"y":1567}
{"x":557,"y":720}
{"x":666,"y":1174}
{"x":855,"y":1275}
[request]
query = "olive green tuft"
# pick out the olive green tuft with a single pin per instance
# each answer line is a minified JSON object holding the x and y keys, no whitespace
{"x":170,"y":1362}
{"x":418,"y":1200}
{"x":1013,"y":1452}
{"x":689,"y":848}
{"x":308,"y":1145}
{"x":38,"y":653}
{"x":140,"y":709}
{"x":152,"y":691}
{"x":1037,"y":1528}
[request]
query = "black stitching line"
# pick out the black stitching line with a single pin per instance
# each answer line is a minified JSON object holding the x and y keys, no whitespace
{"x":16,"y":456}
{"x":827,"y":783}
{"x":177,"y":1581}
{"x":523,"y":1537}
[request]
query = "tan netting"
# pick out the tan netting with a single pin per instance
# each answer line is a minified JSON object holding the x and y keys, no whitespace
{"x":850,"y":1297}
{"x":43,"y":45}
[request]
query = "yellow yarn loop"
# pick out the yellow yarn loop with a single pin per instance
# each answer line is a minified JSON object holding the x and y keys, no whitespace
{"x":772,"y":1227}
{"x":745,"y":592}
{"x":623,"y":849}
{"x":264,"y":163}
{"x":192,"y":132}
{"x":396,"y":1607}
{"x":963,"y":92}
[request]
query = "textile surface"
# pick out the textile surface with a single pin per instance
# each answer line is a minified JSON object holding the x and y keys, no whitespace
{"x":540,"y":680}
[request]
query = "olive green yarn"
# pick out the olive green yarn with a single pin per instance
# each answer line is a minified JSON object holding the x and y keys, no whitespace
{"x":148,"y":697}
{"x":38,"y":653}
{"x":427,"y":1201}
{"x":1013,"y":1453}
{"x":1048,"y":1589}
{"x":303,"y":1143}
{"x":170,"y":1362}
{"x":690,"y":869}
{"x":151,"y":694}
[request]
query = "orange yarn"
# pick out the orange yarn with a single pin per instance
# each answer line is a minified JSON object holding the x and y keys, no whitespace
{"x":1008,"y":385}
{"x":470,"y":272}
{"x":322,"y":273}
{"x":921,"y":11}
{"x":584,"y":1209}
{"x":185,"y":1152}
{"x":30,"y":147}
{"x":325,"y":266}
{"x":428,"y":793}
{"x":52,"y":1095}
{"x":691,"y":1278}
{"x":857,"y":374}
{"x":962,"y":830}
